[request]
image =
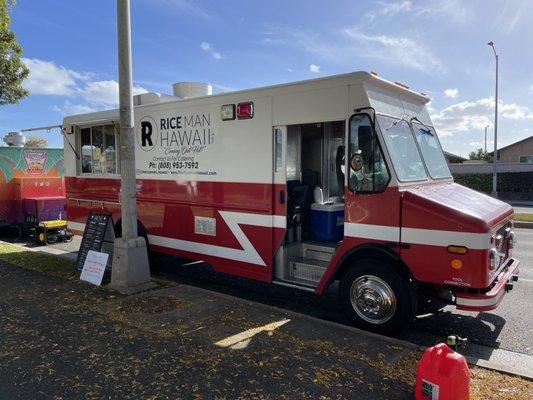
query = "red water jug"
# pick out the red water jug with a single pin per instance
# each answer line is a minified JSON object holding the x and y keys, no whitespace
{"x":442,"y":374}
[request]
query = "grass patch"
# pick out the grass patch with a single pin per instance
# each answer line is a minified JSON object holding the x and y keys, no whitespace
{"x":37,"y":261}
{"x":523,"y":217}
{"x":492,"y":385}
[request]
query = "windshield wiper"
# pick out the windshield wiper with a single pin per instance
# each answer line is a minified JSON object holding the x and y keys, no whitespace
{"x":427,"y":131}
{"x":394,"y":123}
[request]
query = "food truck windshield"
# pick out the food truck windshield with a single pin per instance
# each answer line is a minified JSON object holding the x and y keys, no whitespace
{"x":414,"y":149}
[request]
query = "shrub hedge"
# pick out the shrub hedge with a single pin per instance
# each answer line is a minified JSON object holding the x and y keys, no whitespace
{"x":515,"y":184}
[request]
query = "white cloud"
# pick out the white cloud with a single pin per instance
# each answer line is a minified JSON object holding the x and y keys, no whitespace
{"x":308,"y":41}
{"x":314,"y":68}
{"x":104,"y":92}
{"x":208,"y":48}
{"x":47,"y":78}
{"x":388,"y":9}
{"x":453,"y":10}
{"x":385,"y":10}
{"x":396,"y":50}
{"x":186,"y":6}
{"x":451,"y":93}
{"x":72,"y":109}
{"x":475,"y":115}
{"x":349,"y":44}
{"x":395,"y":7}
{"x":510,"y":14}
{"x":456,"y":11}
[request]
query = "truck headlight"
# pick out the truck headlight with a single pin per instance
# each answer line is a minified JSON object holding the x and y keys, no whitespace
{"x":512,"y":240}
{"x":494,"y":258}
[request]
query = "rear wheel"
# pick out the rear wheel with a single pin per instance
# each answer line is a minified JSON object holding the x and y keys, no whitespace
{"x":141,"y":233}
{"x":376,"y":298}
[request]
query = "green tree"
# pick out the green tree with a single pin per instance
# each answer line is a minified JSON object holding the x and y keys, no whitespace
{"x":481,"y":155}
{"x":36,"y":141}
{"x":12,"y":69}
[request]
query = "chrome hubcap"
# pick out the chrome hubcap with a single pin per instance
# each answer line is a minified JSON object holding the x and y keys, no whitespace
{"x":372,"y":299}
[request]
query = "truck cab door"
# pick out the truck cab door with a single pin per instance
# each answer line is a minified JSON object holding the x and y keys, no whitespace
{"x":372,"y":205}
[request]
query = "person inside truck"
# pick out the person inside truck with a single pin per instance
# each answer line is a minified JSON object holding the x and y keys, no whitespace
{"x":339,"y":168}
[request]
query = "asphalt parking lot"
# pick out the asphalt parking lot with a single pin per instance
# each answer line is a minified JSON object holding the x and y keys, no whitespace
{"x":61,"y":339}
{"x":508,"y":327}
{"x":504,"y":328}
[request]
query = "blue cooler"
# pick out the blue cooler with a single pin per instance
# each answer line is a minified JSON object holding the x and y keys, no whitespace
{"x":327,"y":221}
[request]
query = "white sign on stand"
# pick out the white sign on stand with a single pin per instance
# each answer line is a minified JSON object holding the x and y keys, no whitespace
{"x":94,"y":267}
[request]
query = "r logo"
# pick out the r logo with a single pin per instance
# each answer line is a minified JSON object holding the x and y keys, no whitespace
{"x":147,"y":133}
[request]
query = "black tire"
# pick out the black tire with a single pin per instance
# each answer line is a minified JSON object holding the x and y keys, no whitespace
{"x":370,"y":280}
{"x":142,"y":233}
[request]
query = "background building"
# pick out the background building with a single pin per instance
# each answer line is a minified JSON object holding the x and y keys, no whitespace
{"x":518,"y":152}
{"x":453,"y":158}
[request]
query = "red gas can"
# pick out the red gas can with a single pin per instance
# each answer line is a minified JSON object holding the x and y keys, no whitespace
{"x":442,"y":374}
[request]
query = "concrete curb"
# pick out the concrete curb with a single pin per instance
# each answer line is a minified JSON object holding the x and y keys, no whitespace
{"x":523,"y":224}
{"x":499,"y":368}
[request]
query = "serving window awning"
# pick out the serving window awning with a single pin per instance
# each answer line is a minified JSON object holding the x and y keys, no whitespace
{"x":93,"y":122}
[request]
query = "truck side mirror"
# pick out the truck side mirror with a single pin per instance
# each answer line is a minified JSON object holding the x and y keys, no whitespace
{"x":356,"y":162}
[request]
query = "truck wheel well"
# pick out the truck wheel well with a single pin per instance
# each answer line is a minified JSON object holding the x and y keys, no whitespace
{"x":374,"y":252}
{"x":141,"y":230}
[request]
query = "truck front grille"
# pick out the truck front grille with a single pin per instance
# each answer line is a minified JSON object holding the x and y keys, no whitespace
{"x":503,"y":246}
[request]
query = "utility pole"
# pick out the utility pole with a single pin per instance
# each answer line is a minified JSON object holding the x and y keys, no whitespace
{"x":130,"y":272}
{"x":486,"y":139}
{"x":495,"y":157}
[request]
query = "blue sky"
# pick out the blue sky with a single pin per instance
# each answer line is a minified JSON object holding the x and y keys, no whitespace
{"x":439,"y":47}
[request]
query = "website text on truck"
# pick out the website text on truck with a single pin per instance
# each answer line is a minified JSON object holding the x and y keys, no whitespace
{"x":232,"y":179}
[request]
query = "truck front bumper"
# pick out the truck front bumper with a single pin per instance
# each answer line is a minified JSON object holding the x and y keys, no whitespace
{"x":492,"y":298}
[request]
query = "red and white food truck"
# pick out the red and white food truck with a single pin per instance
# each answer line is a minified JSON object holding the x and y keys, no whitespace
{"x":303,"y":184}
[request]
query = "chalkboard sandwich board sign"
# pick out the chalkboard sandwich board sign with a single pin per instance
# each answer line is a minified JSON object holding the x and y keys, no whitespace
{"x":99,"y":235}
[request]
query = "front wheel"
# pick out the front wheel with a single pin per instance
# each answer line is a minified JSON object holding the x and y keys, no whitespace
{"x":376,"y":298}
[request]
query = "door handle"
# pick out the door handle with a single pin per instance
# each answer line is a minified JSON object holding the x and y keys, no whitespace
{"x":282,"y":197}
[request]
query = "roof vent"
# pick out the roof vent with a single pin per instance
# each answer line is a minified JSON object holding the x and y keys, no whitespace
{"x":15,"y":139}
{"x":151,"y":98}
{"x":186,"y":90}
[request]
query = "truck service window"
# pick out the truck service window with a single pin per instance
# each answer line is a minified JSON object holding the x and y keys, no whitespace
{"x":98,"y":149}
{"x":86,"y":152}
{"x":368,"y":171}
{"x":431,"y":151}
{"x":402,"y":148}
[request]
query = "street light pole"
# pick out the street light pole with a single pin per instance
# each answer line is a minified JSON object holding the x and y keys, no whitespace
{"x":486,"y":139}
{"x":127,"y":194}
{"x":495,"y":157}
{"x":130,"y":272}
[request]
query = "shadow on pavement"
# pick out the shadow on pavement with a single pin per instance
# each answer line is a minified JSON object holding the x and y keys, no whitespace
{"x":481,"y":329}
